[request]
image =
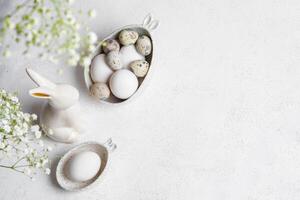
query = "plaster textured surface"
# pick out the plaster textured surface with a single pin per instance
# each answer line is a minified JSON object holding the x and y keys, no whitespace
{"x":220,"y":118}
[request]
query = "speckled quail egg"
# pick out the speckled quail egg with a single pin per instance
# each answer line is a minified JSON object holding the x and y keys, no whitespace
{"x":110,"y":45}
{"x":139,"y":67}
{"x":113,"y":60}
{"x":143,"y":45}
{"x":127,"y":37}
{"x":129,"y":54}
{"x":100,"y":91}
{"x":100,"y":71}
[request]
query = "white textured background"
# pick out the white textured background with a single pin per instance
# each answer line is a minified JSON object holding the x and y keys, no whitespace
{"x":219,"y":120}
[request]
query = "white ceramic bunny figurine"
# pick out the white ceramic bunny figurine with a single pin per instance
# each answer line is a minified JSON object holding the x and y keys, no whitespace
{"x":60,"y":117}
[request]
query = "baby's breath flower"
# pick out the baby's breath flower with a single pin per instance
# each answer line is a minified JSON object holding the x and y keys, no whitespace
{"x":91,"y":48}
{"x":70,"y":1}
{"x":92,"y":13}
{"x":6,"y":128}
{"x":6,"y":53}
{"x":19,"y":138}
{"x":25,"y":151}
{"x":34,"y":117}
{"x":92,"y":37}
{"x":86,"y":61}
{"x":35,"y":128}
{"x":38,"y":134}
{"x":72,"y":62}
{"x":47,"y":171}
{"x":52,"y":27}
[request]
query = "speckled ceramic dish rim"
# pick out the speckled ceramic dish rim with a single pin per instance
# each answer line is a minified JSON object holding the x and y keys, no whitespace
{"x":103,"y":150}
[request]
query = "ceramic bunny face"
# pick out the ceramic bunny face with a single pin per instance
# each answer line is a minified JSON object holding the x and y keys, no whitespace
{"x":60,"y":96}
{"x":60,"y":118}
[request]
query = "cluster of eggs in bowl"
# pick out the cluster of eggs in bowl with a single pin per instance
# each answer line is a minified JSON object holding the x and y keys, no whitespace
{"x":120,"y":65}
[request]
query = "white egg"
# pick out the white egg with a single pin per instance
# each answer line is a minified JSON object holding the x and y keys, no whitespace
{"x":83,"y":166}
{"x":123,"y":83}
{"x":129,"y":54}
{"x":100,"y":71}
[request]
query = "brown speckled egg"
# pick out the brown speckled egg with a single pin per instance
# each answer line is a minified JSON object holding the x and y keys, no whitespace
{"x":113,"y":60}
{"x":127,"y":37}
{"x":110,"y":45}
{"x":100,"y":91}
{"x":139,"y":67}
{"x":143,"y":45}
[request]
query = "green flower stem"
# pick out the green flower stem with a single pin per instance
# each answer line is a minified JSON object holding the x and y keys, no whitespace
{"x":12,"y":168}
{"x":18,"y":161}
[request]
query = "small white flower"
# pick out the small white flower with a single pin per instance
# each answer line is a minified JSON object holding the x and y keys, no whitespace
{"x":8,"y":148}
{"x":38,"y":165}
{"x":92,"y":37}
{"x":25,"y":151}
{"x":72,"y":62}
{"x":15,"y":99}
{"x":34,"y":116}
{"x":92,"y":13}
{"x":6,"y":53}
{"x":44,"y":162}
{"x":7,"y":128}
{"x":38,"y":134}
{"x":35,"y":21}
{"x":71,"y":19}
{"x":27,"y":117}
{"x":35,"y":128}
{"x":47,"y":171}
{"x":25,"y":126}
{"x":76,"y":37}
{"x":86,"y":61}
{"x":91,"y":48}
{"x":28,"y":36}
{"x":77,"y":26}
{"x":70,"y":1}
{"x":18,"y":131}
{"x":2,"y":145}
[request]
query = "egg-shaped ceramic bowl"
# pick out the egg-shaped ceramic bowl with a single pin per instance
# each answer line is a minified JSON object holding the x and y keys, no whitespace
{"x":102,"y":150}
{"x":145,"y":28}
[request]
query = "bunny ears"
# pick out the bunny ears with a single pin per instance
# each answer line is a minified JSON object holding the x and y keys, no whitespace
{"x":39,"y":80}
{"x":150,"y":23}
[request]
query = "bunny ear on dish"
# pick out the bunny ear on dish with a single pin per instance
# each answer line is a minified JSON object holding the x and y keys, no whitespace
{"x":150,"y":23}
{"x":40,"y":80}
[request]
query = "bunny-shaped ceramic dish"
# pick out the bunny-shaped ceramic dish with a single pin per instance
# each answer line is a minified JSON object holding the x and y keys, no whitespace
{"x":149,"y":24}
{"x":60,"y":117}
{"x":102,"y":150}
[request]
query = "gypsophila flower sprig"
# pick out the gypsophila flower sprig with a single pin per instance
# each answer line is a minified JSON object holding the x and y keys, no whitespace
{"x":21,"y":147}
{"x":51,"y":27}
